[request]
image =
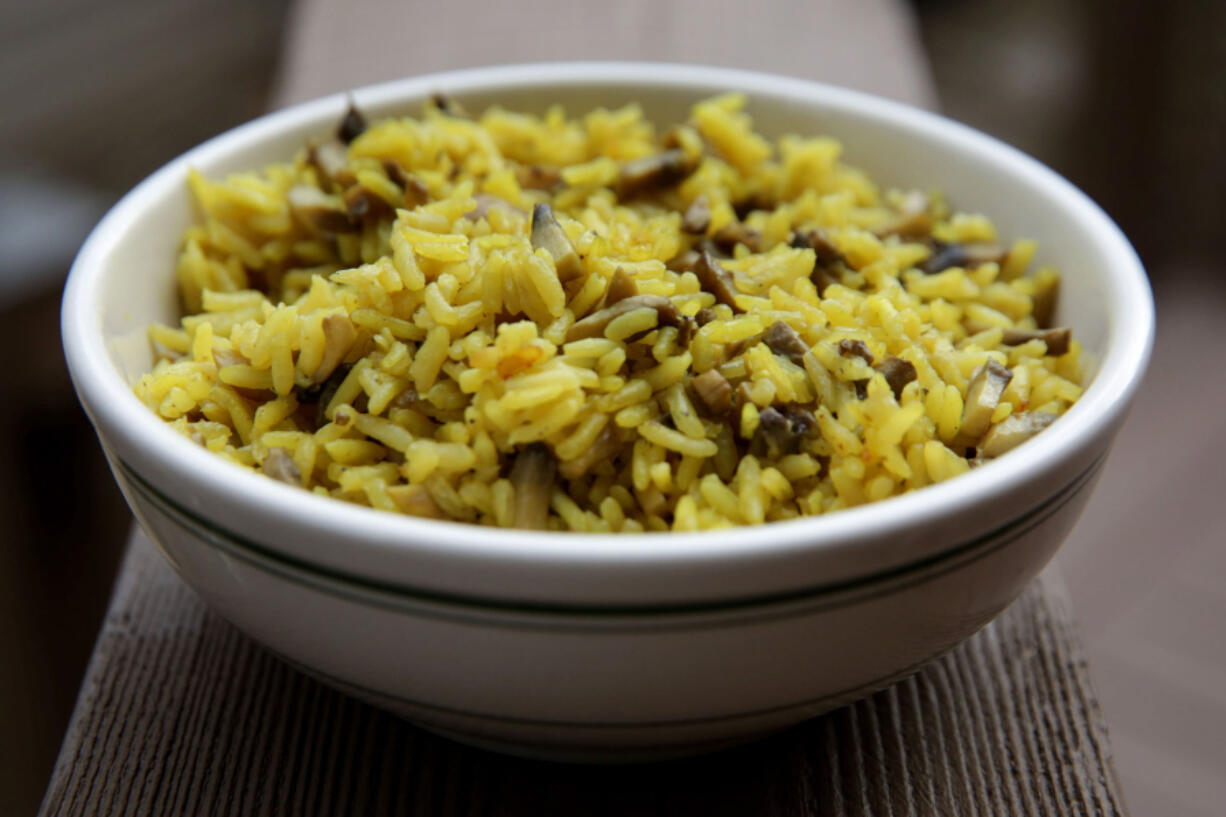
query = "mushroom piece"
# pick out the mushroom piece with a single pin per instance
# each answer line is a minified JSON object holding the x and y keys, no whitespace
{"x":352,"y":125}
{"x":324,"y":392}
{"x":855,"y":348}
{"x":330,"y":160}
{"x":445,"y":104}
{"x":983,"y":394}
{"x":1057,"y":339}
{"x":714,"y":391}
{"x":967,"y":256}
{"x":548,"y":234}
{"x":532,"y":476}
{"x":361,"y":203}
{"x":735,"y":232}
{"x":697,"y":216}
{"x":704,"y":316}
{"x":279,"y":465}
{"x":1045,"y":302}
{"x":415,"y":500}
{"x":783,"y":340}
{"x":913,"y":219}
{"x":594,"y":325}
{"x":603,"y":448}
{"x":758,"y":200}
{"x":716,"y":280}
{"x":538,"y":177}
{"x":683,"y":262}
{"x":827,"y":258}
{"x":621,"y":286}
{"x":817,"y":240}
{"x":415,"y":190}
{"x":487,"y":202}
{"x":780,"y":431}
{"x":897,"y":373}
{"x":685,"y":332}
{"x":339,"y":335}
{"x":1012,"y":431}
{"x":318,"y":211}
{"x":653,"y":173}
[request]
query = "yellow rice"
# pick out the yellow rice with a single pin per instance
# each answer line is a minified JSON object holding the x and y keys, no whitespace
{"x":408,"y":362}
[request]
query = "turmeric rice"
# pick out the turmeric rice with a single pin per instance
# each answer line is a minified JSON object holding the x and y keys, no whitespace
{"x":594,"y":324}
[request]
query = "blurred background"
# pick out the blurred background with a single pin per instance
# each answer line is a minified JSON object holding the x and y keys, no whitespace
{"x":1124,"y":97}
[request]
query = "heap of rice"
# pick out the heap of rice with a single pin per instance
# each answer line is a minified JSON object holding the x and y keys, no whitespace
{"x":379,"y":321}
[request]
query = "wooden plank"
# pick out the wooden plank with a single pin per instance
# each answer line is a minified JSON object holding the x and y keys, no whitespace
{"x":180,"y":714}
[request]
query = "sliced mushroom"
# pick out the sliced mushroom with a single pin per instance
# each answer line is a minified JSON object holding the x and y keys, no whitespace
{"x":487,"y":202}
{"x":982,"y":397}
{"x":781,"y":431}
{"x":716,"y":280}
{"x":415,"y":191}
{"x":325,"y":391}
{"x":330,"y":160}
{"x":967,"y":256}
{"x":1057,"y":339}
{"x":352,"y":125}
{"x":754,"y":201}
{"x":697,"y":216}
{"x":913,"y":219}
{"x":823,"y":248}
{"x":683,"y":262}
{"x":735,"y":232}
{"x":538,"y":177}
{"x":339,"y":335}
{"x":593,"y":325}
{"x":415,"y":500}
{"x":783,"y":340}
{"x":621,"y":287}
{"x":318,"y":211}
{"x":605,"y":447}
{"x":855,"y":348}
{"x":548,"y":234}
{"x":445,"y":104}
{"x":704,"y":316}
{"x":714,"y":391}
{"x":1045,"y":302}
{"x":654,"y":173}
{"x":532,"y":476}
{"x":279,"y":465}
{"x":361,"y":204}
{"x":897,"y":373}
{"x":685,"y":332}
{"x":826,"y":261}
{"x":1012,"y":431}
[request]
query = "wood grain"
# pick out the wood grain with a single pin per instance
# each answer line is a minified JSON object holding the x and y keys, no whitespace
{"x":180,"y":714}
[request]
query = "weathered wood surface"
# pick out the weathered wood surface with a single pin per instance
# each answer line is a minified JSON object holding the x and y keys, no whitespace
{"x":180,"y":714}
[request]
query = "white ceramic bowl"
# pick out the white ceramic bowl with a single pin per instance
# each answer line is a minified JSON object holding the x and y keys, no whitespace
{"x":603,"y":647}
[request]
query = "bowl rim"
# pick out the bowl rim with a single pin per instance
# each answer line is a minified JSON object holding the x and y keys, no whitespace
{"x":379,"y":536}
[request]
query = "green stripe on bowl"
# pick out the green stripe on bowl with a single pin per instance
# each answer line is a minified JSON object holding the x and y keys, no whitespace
{"x":470,"y":608}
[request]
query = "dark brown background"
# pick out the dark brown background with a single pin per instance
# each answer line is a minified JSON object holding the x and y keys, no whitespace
{"x":1125,"y":98}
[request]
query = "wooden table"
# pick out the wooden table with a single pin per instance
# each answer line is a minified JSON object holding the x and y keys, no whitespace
{"x":180,"y":714}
